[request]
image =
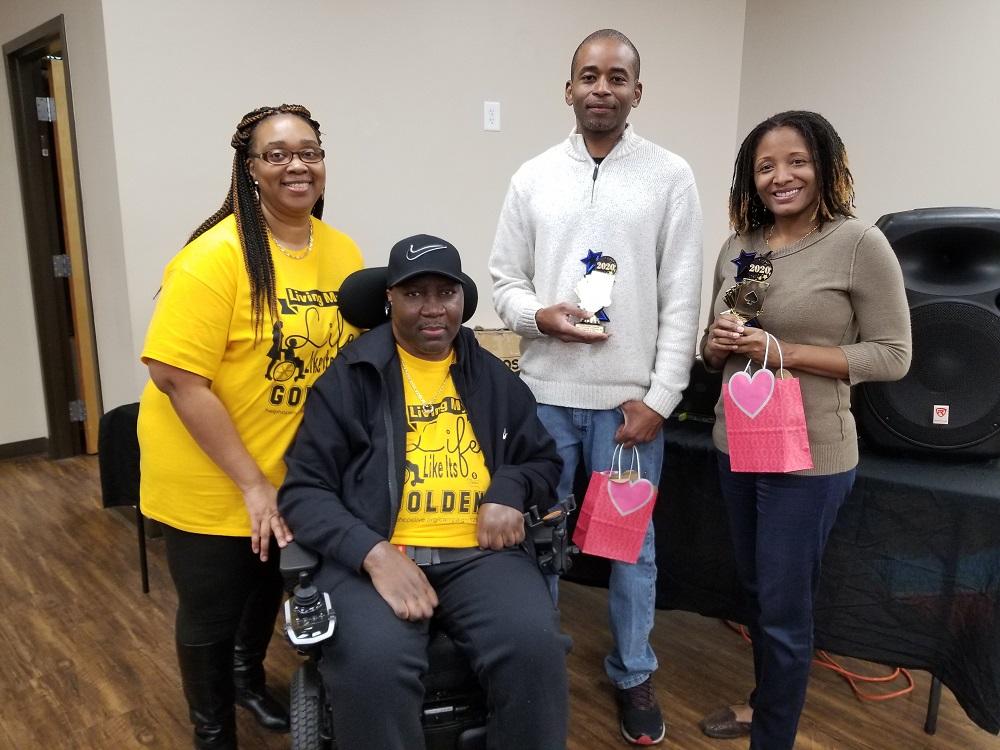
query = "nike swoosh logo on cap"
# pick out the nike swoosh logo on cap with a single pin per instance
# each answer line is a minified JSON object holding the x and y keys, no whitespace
{"x":412,"y":254}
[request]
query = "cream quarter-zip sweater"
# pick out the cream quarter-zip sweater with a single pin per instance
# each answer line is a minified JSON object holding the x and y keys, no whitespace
{"x":640,"y":206}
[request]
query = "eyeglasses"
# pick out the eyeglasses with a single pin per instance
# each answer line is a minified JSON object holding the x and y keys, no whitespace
{"x":282,"y":156}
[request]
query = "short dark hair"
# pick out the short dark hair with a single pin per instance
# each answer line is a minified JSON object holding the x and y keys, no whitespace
{"x":836,"y":185}
{"x":605,"y":34}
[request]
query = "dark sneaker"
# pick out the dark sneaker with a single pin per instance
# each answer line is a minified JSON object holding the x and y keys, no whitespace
{"x":640,"y":719}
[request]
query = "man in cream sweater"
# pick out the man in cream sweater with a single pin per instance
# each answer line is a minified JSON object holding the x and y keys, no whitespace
{"x":606,"y":201}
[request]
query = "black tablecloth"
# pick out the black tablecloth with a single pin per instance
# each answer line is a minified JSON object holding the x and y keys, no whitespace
{"x":911,"y":575}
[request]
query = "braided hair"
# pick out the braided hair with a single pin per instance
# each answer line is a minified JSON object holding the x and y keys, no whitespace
{"x":243,"y":203}
{"x":747,"y":211}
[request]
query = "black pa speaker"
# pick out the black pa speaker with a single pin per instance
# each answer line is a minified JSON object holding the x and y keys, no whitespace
{"x":949,"y":402}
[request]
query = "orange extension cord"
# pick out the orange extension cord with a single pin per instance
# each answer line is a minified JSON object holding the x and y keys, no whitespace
{"x":826,"y":661}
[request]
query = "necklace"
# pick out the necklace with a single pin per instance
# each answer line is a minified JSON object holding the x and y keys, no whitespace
{"x":427,"y":407}
{"x":770,"y":231}
{"x":292,"y":253}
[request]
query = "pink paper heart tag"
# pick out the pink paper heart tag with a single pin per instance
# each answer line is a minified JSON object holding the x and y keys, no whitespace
{"x":751,"y":394}
{"x":628,"y":497}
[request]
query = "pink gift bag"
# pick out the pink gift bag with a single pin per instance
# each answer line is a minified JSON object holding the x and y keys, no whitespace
{"x":615,"y":512}
{"x":765,"y":421}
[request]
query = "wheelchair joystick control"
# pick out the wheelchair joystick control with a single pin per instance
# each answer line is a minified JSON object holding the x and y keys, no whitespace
{"x":309,"y":615}
{"x":552,"y":544}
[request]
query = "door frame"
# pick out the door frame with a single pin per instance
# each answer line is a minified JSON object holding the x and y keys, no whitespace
{"x":56,"y":319}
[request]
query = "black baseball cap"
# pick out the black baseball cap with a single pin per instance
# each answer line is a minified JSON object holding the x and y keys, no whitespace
{"x":423,"y":253}
{"x":362,"y":294}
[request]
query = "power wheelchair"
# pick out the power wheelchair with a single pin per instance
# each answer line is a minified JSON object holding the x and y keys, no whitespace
{"x":454,"y":709}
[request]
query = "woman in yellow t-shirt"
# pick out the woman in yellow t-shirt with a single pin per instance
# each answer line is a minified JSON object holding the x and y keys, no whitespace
{"x":246,"y":320}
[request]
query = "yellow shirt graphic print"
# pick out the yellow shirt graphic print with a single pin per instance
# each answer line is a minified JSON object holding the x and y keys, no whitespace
{"x":445,"y":476}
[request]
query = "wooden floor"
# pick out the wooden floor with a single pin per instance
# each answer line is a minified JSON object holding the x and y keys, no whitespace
{"x":87,"y":660}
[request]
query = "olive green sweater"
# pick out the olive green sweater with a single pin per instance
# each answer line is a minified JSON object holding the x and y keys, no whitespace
{"x":841,"y":286}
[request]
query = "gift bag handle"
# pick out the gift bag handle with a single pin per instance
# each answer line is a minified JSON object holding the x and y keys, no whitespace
{"x":767,"y":349}
{"x":617,"y":454}
{"x":781,"y":355}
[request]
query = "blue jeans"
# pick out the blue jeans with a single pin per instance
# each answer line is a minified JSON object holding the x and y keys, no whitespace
{"x":589,"y":435}
{"x":779,"y":524}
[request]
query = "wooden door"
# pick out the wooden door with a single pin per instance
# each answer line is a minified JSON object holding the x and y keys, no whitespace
{"x":41,"y":103}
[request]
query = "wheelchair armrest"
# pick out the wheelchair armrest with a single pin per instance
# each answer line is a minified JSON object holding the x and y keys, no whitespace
{"x":296,"y":559}
{"x":550,"y":537}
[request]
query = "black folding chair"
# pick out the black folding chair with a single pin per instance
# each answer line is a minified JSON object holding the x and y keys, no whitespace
{"x":118,"y":456}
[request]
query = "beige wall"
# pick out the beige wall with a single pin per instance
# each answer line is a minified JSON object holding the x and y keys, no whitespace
{"x":398,"y":86}
{"x":910,"y":85}
{"x":21,"y":401}
{"x":399,"y":89}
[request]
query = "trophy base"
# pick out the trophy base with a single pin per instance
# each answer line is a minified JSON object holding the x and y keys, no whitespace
{"x":590,"y":327}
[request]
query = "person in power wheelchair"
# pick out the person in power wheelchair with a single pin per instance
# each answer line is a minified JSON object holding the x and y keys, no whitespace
{"x":416,"y":458}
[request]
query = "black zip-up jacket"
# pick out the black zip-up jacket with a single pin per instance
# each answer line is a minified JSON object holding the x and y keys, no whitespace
{"x":344,"y":485}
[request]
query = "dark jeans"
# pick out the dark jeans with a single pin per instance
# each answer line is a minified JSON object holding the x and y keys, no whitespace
{"x":218,"y":578}
{"x":779,"y":525}
{"x":497,"y":609}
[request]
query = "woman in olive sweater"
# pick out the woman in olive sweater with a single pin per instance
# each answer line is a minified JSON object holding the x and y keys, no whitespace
{"x":835,"y":302}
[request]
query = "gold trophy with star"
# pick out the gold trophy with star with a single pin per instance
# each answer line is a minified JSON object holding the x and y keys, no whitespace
{"x":746,"y":297}
{"x":594,"y":290}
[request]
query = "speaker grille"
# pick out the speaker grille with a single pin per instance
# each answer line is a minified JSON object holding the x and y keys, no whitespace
{"x":956,"y":361}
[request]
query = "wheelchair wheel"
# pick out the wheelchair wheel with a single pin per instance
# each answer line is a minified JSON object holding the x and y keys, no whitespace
{"x":307,"y":709}
{"x":283,"y":371}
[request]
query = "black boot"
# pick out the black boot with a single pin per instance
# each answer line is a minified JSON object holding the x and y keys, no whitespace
{"x":254,"y":634}
{"x":206,"y":671}
{"x":253,"y":695}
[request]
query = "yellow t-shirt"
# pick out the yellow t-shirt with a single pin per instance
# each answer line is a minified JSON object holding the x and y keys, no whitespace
{"x":203,"y":323}
{"x":445,"y":476}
